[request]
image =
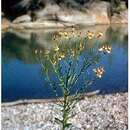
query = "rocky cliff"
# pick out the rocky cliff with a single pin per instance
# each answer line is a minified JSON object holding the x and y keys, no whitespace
{"x":53,"y":15}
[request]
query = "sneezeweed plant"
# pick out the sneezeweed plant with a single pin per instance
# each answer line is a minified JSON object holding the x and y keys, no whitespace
{"x":69,"y":64}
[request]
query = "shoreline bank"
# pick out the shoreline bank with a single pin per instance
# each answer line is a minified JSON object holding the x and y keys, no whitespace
{"x":100,"y":112}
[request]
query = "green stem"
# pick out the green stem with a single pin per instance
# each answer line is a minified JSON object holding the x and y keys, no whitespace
{"x":64,"y":111}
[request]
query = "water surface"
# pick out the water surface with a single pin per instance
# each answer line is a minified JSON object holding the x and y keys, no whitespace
{"x":21,"y":72}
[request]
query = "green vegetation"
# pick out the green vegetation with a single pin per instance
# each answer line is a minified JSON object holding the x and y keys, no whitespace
{"x":64,"y":67}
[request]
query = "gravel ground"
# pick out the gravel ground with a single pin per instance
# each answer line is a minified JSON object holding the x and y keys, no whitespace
{"x":102,"y":112}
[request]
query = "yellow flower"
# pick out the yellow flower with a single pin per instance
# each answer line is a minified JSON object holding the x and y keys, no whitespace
{"x":99,"y":71}
{"x":65,"y":33}
{"x":62,"y":56}
{"x":99,"y":34}
{"x":101,"y":48}
{"x":105,"y":49}
{"x":61,"y":33}
{"x":90,"y":35}
{"x":109,"y":49}
{"x":57,"y":48}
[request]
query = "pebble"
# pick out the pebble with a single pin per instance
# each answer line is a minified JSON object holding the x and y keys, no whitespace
{"x":107,"y":112}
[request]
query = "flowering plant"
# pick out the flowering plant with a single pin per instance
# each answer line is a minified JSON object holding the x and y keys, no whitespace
{"x":71,"y":65}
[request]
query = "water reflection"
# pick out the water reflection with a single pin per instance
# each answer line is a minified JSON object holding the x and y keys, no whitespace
{"x":21,"y":72}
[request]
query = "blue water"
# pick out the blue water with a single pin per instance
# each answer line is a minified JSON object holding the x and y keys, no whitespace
{"x":22,"y":77}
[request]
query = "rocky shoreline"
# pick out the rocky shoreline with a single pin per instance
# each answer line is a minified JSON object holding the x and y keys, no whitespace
{"x":99,"y":112}
{"x":53,"y":16}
